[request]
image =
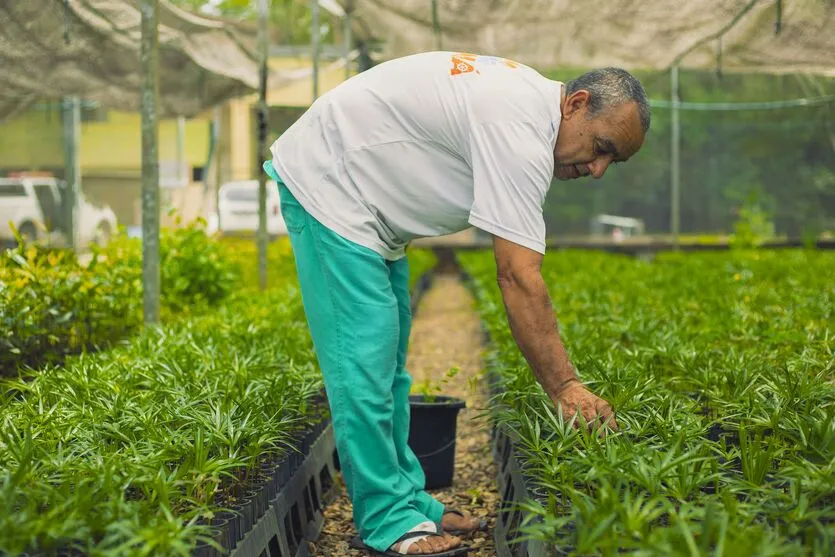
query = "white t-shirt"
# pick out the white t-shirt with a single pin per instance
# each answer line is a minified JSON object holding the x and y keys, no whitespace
{"x":427,"y":145}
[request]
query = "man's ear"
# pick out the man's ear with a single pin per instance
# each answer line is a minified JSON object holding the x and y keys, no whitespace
{"x":575,"y":103}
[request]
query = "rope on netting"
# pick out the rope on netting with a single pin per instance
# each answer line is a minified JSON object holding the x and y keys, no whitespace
{"x":727,"y":27}
{"x":67,"y":22}
{"x":766,"y":105}
{"x":778,"y":23}
{"x":436,"y":25}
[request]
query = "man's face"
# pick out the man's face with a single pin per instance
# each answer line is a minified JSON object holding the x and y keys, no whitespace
{"x":586,"y":147}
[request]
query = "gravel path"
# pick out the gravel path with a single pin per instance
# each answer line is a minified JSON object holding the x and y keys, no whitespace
{"x":445,"y":333}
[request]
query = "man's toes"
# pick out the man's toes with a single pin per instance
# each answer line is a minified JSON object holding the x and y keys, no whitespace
{"x":455,"y":522}
{"x":444,"y":543}
{"x":420,"y":547}
{"x":451,"y":542}
{"x":440,"y":544}
{"x":434,"y":544}
{"x":425,"y":546}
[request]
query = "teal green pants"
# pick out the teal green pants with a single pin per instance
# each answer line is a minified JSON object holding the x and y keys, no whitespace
{"x":358,"y":309}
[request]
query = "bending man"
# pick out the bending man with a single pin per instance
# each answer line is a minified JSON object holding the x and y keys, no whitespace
{"x":421,"y":146}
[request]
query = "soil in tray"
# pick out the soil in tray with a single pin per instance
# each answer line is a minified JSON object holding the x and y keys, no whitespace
{"x":446,"y":333}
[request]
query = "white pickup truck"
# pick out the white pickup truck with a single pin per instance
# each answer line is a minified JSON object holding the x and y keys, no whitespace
{"x":35,"y":206}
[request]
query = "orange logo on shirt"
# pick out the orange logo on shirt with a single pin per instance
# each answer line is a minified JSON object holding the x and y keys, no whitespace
{"x":461,"y":63}
{"x":464,"y":62}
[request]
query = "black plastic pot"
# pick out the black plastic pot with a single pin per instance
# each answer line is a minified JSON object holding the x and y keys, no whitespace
{"x":432,"y":431}
{"x":270,"y":489}
{"x":222,"y":526}
{"x":296,"y":459}
{"x":260,"y":503}
{"x":245,"y":519}
{"x":203,"y":549}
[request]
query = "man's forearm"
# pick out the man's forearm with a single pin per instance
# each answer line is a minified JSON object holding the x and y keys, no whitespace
{"x":534,"y":328}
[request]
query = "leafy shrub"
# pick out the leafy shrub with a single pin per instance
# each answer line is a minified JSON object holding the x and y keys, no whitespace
{"x":51,"y":305}
{"x":194,"y":268}
{"x":753,"y":227}
{"x":280,"y":266}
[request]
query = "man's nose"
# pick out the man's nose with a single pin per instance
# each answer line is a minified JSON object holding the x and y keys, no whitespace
{"x":599,"y":165}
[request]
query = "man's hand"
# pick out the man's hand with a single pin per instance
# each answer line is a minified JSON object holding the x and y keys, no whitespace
{"x":534,"y":328}
{"x":575,"y":397}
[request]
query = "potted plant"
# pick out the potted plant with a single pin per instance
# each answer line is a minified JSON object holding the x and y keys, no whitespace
{"x":432,"y":429}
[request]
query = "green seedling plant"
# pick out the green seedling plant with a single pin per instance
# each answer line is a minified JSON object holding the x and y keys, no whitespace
{"x":430,"y":389}
{"x":757,"y":453}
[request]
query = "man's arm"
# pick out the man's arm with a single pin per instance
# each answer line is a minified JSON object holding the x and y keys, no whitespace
{"x":534,"y":328}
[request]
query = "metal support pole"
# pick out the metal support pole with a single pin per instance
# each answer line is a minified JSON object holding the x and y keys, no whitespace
{"x":181,"y":155}
{"x":72,"y":168}
{"x":314,"y":42}
{"x":675,"y":145}
{"x":218,"y":176}
{"x":150,"y":161}
{"x":181,"y":147}
{"x":346,"y":37}
{"x":262,"y":147}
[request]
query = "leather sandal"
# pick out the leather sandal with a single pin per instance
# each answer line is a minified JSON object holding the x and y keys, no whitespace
{"x":407,"y":540}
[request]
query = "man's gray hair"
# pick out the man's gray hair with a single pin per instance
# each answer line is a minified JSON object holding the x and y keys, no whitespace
{"x":611,"y":87}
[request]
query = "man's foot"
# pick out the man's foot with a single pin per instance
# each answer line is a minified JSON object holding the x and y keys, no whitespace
{"x":459,"y":523}
{"x":435,"y":543}
{"x":423,"y":539}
